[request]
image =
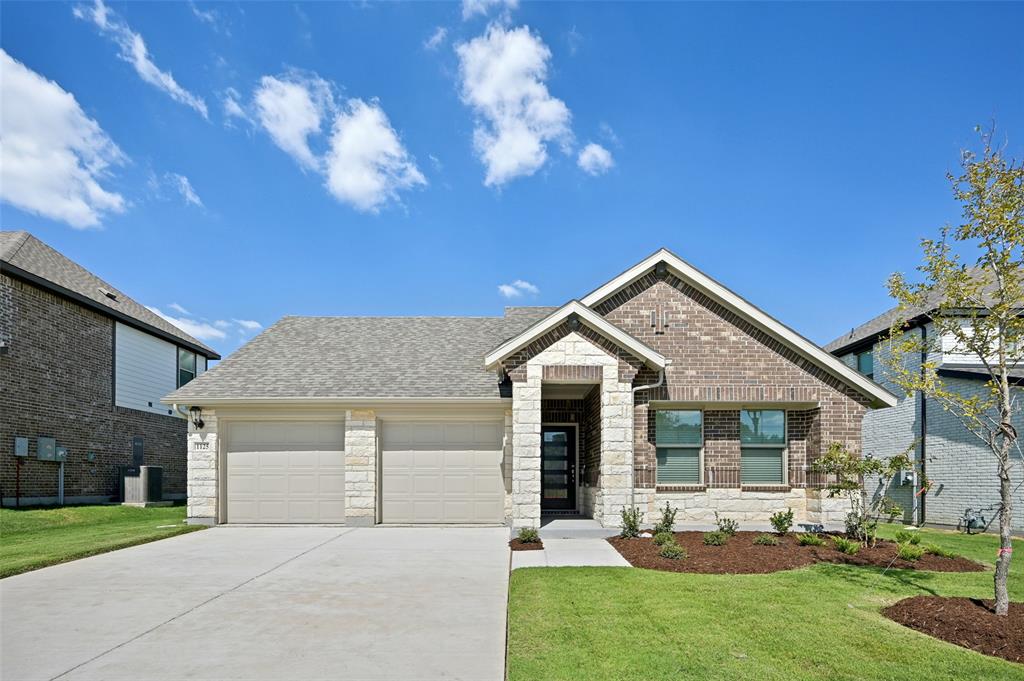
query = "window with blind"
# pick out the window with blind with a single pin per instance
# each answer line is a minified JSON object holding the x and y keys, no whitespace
{"x":678,"y":438}
{"x":762,"y":447}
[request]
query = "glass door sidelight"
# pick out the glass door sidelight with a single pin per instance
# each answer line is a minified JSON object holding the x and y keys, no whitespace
{"x":558,"y":467}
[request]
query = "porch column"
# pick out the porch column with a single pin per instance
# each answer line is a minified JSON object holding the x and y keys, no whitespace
{"x":616,"y":447}
{"x":360,"y":468}
{"x":526,"y":450}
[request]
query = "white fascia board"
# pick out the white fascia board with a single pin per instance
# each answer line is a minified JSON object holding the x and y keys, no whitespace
{"x":354,"y":402}
{"x":588,"y":317}
{"x":702,"y":282}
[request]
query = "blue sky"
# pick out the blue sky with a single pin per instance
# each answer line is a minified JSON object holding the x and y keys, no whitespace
{"x":795,"y":152}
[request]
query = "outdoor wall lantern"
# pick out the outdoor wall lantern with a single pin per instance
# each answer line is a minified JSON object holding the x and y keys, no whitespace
{"x":197,"y":417}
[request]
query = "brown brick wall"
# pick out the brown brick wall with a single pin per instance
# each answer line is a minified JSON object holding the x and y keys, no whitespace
{"x":718,"y":356}
{"x":56,"y":380}
{"x":515,"y":364}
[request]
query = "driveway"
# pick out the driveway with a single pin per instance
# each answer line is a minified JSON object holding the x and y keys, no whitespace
{"x":267,"y":603}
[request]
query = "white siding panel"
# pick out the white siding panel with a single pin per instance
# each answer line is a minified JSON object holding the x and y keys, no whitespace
{"x":145,"y":370}
{"x":200,"y":364}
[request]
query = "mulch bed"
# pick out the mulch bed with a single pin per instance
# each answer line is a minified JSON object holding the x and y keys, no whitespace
{"x":967,"y":622}
{"x":517,"y":545}
{"x":741,"y":556}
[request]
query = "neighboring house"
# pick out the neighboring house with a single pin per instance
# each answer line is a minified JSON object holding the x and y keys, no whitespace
{"x":660,"y":385}
{"x":961,"y":469}
{"x":82,"y":371}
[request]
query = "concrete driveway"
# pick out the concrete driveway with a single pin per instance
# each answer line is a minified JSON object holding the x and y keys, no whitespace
{"x":267,"y":603}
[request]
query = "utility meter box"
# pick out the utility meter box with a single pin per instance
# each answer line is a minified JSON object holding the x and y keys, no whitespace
{"x":46,"y":449}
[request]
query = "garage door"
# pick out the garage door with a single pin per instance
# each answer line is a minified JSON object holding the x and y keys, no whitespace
{"x":286,"y":472}
{"x":442,"y":472}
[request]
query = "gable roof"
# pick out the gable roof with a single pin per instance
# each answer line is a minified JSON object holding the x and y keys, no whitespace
{"x":26,"y":257}
{"x":359,"y":358}
{"x":748,"y":311}
{"x":588,"y":317}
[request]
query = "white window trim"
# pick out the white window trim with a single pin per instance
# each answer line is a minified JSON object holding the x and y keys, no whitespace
{"x":702,"y":476}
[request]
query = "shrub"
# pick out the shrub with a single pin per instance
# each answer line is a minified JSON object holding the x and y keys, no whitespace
{"x":630,"y":522}
{"x":908,"y":537}
{"x":782,"y":521}
{"x":528,"y":535}
{"x":766,"y":540}
{"x":910,"y":552}
{"x":662,"y":538}
{"x":668,"y":519}
{"x":847,"y":546}
{"x":861,"y":527}
{"x":936,"y":550}
{"x":715,"y":538}
{"x":891,"y":509}
{"x":810,"y":540}
{"x":726,"y":525}
{"x":672,"y":551}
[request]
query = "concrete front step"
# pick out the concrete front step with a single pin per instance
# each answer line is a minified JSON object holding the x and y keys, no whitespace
{"x":574,"y":528}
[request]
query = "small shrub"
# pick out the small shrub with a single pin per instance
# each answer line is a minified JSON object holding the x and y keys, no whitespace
{"x":663,"y":538}
{"x":668,"y":519}
{"x":810,"y":540}
{"x":891,"y":509}
{"x":529,"y":535}
{"x":861,"y":527}
{"x":672,"y":551}
{"x":726,"y":525}
{"x":936,"y":550}
{"x":715,"y":538}
{"x":630,"y":522}
{"x":766,"y":540}
{"x":908,"y":537}
{"x":782,"y":521}
{"x":911,"y":552}
{"x":847,"y":546}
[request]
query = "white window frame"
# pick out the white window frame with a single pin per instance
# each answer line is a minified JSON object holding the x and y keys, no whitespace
{"x":702,"y":475}
{"x":785,"y":451}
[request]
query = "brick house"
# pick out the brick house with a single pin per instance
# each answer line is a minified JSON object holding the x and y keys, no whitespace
{"x":660,"y":385}
{"x":82,"y":371}
{"x":962,"y":470}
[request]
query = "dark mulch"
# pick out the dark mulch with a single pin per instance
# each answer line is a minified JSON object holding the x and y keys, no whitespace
{"x":741,"y":556}
{"x":967,"y":622}
{"x":517,"y":545}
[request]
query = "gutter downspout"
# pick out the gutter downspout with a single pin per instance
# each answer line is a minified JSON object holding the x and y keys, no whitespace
{"x":924,"y":427}
{"x":632,"y":433}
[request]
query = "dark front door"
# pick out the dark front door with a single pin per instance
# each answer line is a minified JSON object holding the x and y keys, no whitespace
{"x":558,"y":467}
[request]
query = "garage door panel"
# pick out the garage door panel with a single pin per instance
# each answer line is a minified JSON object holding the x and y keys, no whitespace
{"x":442,"y":472}
{"x":286,"y":472}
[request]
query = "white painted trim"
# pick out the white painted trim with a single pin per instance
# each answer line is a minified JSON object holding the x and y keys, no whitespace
{"x":343,"y":402}
{"x":707,"y":405}
{"x":588,"y":317}
{"x":807,"y":349}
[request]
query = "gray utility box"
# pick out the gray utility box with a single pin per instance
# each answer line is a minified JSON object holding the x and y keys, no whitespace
{"x":143,"y":486}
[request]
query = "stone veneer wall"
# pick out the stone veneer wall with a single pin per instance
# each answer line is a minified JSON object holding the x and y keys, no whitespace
{"x":203,"y":477}
{"x":360,"y":467}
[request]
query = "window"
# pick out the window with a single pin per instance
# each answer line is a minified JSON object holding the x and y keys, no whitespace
{"x":866,"y":363}
{"x":678,"y":438}
{"x":186,"y":366}
{"x":762,"y":447}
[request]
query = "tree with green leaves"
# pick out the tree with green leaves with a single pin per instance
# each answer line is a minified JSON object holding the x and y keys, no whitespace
{"x":972,"y":293}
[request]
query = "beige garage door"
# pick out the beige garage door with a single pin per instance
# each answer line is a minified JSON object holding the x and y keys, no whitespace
{"x":442,"y":472}
{"x":286,"y":472}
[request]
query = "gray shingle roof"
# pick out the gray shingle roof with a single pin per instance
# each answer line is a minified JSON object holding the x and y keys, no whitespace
{"x":352,"y":357}
{"x":22,"y":251}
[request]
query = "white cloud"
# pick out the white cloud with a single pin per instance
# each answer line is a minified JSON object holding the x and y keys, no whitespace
{"x":608,"y":133}
{"x":367,"y":163}
{"x":221,"y":324}
{"x":194,"y":328}
{"x":184,"y":187}
{"x":178,"y":308}
{"x":233,"y":106}
{"x":248,"y":324}
{"x":52,"y":156}
{"x":290,"y":109}
{"x":436,"y":39}
{"x":503,"y":76}
{"x":517,"y":288}
{"x":595,"y":159}
{"x":133,"y":50}
{"x":470,"y":8}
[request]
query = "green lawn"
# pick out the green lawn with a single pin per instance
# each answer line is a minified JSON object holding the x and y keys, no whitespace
{"x":31,"y":539}
{"x":821,"y":622}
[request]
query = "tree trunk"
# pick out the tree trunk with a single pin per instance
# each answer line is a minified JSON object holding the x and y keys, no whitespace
{"x":1005,"y":542}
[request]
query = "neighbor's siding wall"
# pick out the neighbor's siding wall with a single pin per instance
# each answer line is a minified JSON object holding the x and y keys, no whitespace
{"x":145,"y":370}
{"x":56,"y":380}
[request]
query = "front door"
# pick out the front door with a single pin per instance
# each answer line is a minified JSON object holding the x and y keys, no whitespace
{"x":558,"y":467}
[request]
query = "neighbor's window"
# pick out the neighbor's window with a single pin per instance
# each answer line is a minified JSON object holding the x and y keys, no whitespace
{"x":762,"y":446}
{"x":678,"y":438}
{"x":866,"y":363}
{"x":186,"y":366}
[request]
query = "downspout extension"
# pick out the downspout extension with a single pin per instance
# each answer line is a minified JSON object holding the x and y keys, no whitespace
{"x":632,"y":434}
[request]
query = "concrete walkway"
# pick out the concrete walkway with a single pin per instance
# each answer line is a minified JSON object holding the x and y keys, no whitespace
{"x":267,"y":603}
{"x":570,"y":552}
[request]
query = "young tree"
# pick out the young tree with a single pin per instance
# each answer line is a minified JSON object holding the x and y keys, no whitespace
{"x":977,"y":300}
